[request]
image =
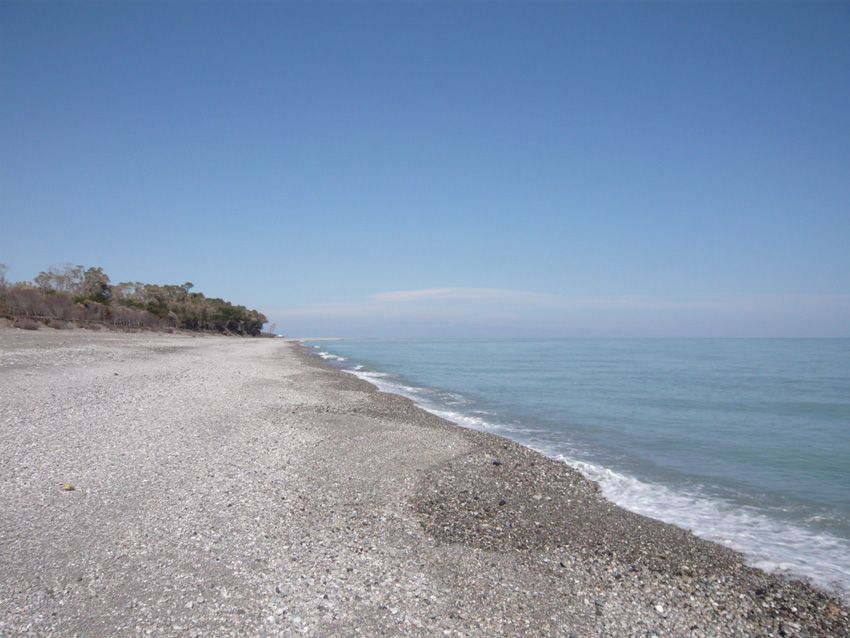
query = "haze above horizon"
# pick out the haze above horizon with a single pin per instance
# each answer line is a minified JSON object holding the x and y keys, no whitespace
{"x":441,"y":169}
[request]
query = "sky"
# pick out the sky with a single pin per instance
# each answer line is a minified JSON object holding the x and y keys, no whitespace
{"x":441,"y":169}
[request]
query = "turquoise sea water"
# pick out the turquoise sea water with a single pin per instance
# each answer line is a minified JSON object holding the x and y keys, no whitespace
{"x":744,"y":441}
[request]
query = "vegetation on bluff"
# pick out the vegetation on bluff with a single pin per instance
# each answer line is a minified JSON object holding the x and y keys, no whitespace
{"x":76,"y":294}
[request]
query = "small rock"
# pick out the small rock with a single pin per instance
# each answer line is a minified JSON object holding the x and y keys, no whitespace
{"x":659,"y":608}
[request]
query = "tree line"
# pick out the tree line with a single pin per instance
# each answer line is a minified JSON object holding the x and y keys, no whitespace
{"x":71,"y":293}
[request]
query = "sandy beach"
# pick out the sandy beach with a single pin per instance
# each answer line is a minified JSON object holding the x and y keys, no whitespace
{"x":235,"y":486}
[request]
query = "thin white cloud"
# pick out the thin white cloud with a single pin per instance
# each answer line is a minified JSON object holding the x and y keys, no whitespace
{"x":444,"y":293}
{"x":530,"y":299}
{"x":492,"y":306}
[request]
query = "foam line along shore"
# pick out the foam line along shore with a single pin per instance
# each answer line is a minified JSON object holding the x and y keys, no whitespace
{"x":802,"y":538}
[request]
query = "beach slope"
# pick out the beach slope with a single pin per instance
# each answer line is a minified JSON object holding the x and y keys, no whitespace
{"x":226,"y":486}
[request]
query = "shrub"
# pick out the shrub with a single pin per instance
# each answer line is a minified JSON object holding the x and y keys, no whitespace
{"x":59,"y":305}
{"x":95,"y":311}
{"x":58,"y":324}
{"x":25,"y":301}
{"x":27,"y":324}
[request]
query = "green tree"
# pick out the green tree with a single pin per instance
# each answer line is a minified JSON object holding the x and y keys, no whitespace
{"x":95,"y":285}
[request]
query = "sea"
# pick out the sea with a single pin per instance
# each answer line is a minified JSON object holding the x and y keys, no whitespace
{"x":745,"y":442}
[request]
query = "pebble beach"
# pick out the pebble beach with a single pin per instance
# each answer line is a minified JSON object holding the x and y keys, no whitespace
{"x":176,"y":485}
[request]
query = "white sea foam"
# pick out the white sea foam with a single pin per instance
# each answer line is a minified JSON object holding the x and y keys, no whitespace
{"x":330,"y":356}
{"x":374,"y":378}
{"x":472,"y":422}
{"x":418,"y":395}
{"x":767,"y":543}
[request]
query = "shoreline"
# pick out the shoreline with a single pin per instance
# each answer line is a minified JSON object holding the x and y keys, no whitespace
{"x":817,"y":571}
{"x":244,"y":487}
{"x":687,"y":556}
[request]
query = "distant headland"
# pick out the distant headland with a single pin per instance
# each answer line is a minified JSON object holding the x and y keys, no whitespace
{"x":63,"y":296}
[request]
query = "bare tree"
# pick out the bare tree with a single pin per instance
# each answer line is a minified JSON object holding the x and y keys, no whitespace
{"x":3,"y":287}
{"x":25,"y":301}
{"x":66,"y":278}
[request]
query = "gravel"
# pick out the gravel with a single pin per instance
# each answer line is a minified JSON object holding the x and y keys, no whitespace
{"x":226,"y":486}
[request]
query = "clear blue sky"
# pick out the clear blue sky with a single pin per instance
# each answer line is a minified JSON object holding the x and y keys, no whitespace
{"x":413,"y":169}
